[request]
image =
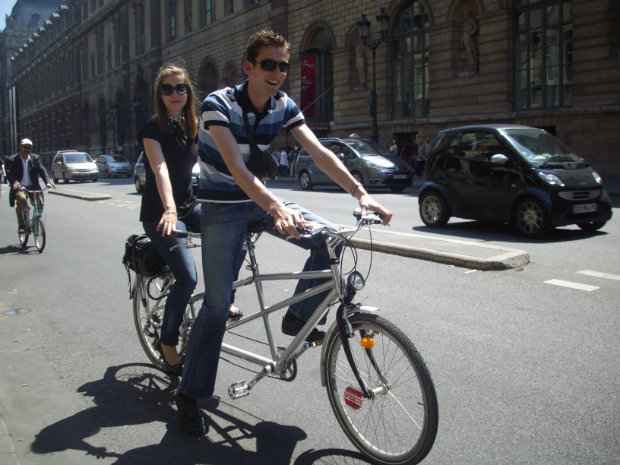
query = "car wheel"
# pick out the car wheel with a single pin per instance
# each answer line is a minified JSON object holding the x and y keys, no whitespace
{"x":138,"y":186}
{"x":531,"y":218}
{"x":55,"y":180}
{"x":64,"y":178}
{"x":305,"y":182}
{"x":593,"y":225}
{"x":434,"y":210}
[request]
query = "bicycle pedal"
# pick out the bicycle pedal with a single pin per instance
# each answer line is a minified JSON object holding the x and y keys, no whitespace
{"x":238,"y":390}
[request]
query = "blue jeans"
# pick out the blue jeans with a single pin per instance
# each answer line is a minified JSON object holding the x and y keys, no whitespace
{"x":225,"y":226}
{"x":177,"y":256}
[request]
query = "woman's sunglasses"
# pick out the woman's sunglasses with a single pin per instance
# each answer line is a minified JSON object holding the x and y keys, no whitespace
{"x":168,"y":89}
{"x":270,"y":65}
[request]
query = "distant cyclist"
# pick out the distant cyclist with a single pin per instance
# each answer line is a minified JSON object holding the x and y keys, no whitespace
{"x":24,"y":171}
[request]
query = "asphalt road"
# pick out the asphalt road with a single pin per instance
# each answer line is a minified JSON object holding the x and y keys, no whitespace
{"x":526,"y":370}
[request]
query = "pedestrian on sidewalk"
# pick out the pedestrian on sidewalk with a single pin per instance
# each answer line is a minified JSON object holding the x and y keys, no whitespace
{"x":283,"y":163}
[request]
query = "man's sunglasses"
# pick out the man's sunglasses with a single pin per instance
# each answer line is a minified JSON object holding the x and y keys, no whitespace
{"x":270,"y":65}
{"x":168,"y":89}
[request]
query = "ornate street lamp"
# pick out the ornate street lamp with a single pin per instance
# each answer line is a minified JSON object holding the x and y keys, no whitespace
{"x":373,"y":43}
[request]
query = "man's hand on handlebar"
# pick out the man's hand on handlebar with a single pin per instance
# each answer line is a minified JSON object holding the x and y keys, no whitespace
{"x":368,"y":203}
{"x":286,"y":221}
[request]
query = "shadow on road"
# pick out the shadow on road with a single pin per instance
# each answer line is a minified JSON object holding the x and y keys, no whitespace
{"x":505,"y":233}
{"x":10,"y":249}
{"x":135,"y":394}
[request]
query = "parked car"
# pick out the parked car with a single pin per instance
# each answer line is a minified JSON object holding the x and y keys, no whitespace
{"x":139,"y":174}
{"x":72,"y":165}
{"x":113,"y":165}
{"x":366,"y":162}
{"x":511,"y":173}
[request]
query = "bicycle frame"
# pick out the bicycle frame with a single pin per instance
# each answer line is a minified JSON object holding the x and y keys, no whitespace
{"x":279,"y":362}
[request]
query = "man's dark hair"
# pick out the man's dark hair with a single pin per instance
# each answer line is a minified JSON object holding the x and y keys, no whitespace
{"x":264,"y":38}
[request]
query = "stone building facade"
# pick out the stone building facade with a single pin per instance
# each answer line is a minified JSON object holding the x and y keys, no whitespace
{"x":86,"y":81}
{"x":26,"y":17}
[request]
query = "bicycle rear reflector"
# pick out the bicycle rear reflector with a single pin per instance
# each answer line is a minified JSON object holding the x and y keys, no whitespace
{"x":353,"y":398}
{"x":367,"y":342}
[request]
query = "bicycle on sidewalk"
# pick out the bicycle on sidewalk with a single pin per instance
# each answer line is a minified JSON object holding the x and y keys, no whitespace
{"x":378,"y":385}
{"x":32,"y":219}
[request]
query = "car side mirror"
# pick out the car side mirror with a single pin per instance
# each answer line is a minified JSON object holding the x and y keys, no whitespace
{"x":499,"y":159}
{"x":59,"y":162}
{"x":340,"y":155}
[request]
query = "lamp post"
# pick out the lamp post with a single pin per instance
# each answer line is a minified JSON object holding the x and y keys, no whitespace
{"x":373,"y":43}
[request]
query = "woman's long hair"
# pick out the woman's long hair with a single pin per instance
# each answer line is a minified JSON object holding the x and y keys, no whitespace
{"x":189,"y":110}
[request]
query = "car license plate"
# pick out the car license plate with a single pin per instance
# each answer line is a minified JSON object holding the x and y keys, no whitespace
{"x":584,"y":208}
{"x":400,"y":176}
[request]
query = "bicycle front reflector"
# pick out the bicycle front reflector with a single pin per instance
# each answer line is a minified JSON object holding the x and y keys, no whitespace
{"x":367,"y":342}
{"x":353,"y":398}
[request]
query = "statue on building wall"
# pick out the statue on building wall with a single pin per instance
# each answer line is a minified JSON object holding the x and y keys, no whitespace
{"x":466,"y":39}
{"x":470,"y":43}
{"x":358,"y":74}
{"x":360,"y":63}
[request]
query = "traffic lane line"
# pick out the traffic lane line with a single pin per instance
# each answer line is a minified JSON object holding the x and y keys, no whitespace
{"x":598,"y":274}
{"x":572,"y":285}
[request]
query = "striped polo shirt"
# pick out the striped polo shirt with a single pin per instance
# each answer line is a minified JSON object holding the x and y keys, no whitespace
{"x":225,"y":107}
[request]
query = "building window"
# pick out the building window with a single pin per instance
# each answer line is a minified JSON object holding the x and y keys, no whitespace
{"x":139,"y":27}
{"x":229,"y":7}
{"x":317,"y":88}
{"x":100,"y":49}
{"x":188,"y":10}
{"x":410,"y":49}
{"x":155,"y":23}
{"x":171,"y":19}
{"x":93,"y":5}
{"x":207,"y":12}
{"x":614,"y":29}
{"x":544,"y":54}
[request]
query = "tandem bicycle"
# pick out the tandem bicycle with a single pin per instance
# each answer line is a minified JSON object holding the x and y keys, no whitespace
{"x":377,"y":383}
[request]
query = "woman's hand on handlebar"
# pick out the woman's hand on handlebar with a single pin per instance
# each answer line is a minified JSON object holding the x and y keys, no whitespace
{"x":168,"y":222}
{"x":368,"y":203}
{"x":286,"y":221}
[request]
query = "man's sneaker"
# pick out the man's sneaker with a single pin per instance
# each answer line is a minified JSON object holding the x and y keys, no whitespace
{"x":190,"y":419}
{"x":291,"y":325}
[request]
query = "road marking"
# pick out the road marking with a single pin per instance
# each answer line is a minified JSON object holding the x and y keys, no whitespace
{"x":598,"y":274}
{"x":572,"y":285}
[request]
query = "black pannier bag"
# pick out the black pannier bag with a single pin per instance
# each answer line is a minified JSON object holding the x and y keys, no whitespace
{"x":142,"y":257}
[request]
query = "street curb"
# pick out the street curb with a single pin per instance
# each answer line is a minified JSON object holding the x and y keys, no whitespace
{"x":80,"y":195}
{"x":512,"y":258}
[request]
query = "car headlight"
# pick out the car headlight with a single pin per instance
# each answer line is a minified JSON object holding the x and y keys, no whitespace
{"x":597,"y":177}
{"x":550,"y":179}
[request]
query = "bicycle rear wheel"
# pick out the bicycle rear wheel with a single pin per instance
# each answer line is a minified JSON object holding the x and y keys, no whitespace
{"x":38,"y":234}
{"x":398,"y":424}
{"x":148,"y":303}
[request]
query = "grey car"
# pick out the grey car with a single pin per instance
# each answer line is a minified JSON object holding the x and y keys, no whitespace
{"x":367,"y":162}
{"x":72,"y":165}
{"x":139,"y":174}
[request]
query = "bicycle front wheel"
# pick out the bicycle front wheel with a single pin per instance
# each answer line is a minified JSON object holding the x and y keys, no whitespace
{"x":397,"y":425}
{"x":38,"y":233}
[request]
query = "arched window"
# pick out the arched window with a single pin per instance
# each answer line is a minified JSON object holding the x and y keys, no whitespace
{"x":208,"y":78}
{"x":544,"y":53}
{"x":317,"y":99}
{"x":410,"y":52}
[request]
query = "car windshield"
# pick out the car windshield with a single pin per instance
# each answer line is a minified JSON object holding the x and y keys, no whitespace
{"x":364,"y":148}
{"x":77,"y":158}
{"x":539,"y":147}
